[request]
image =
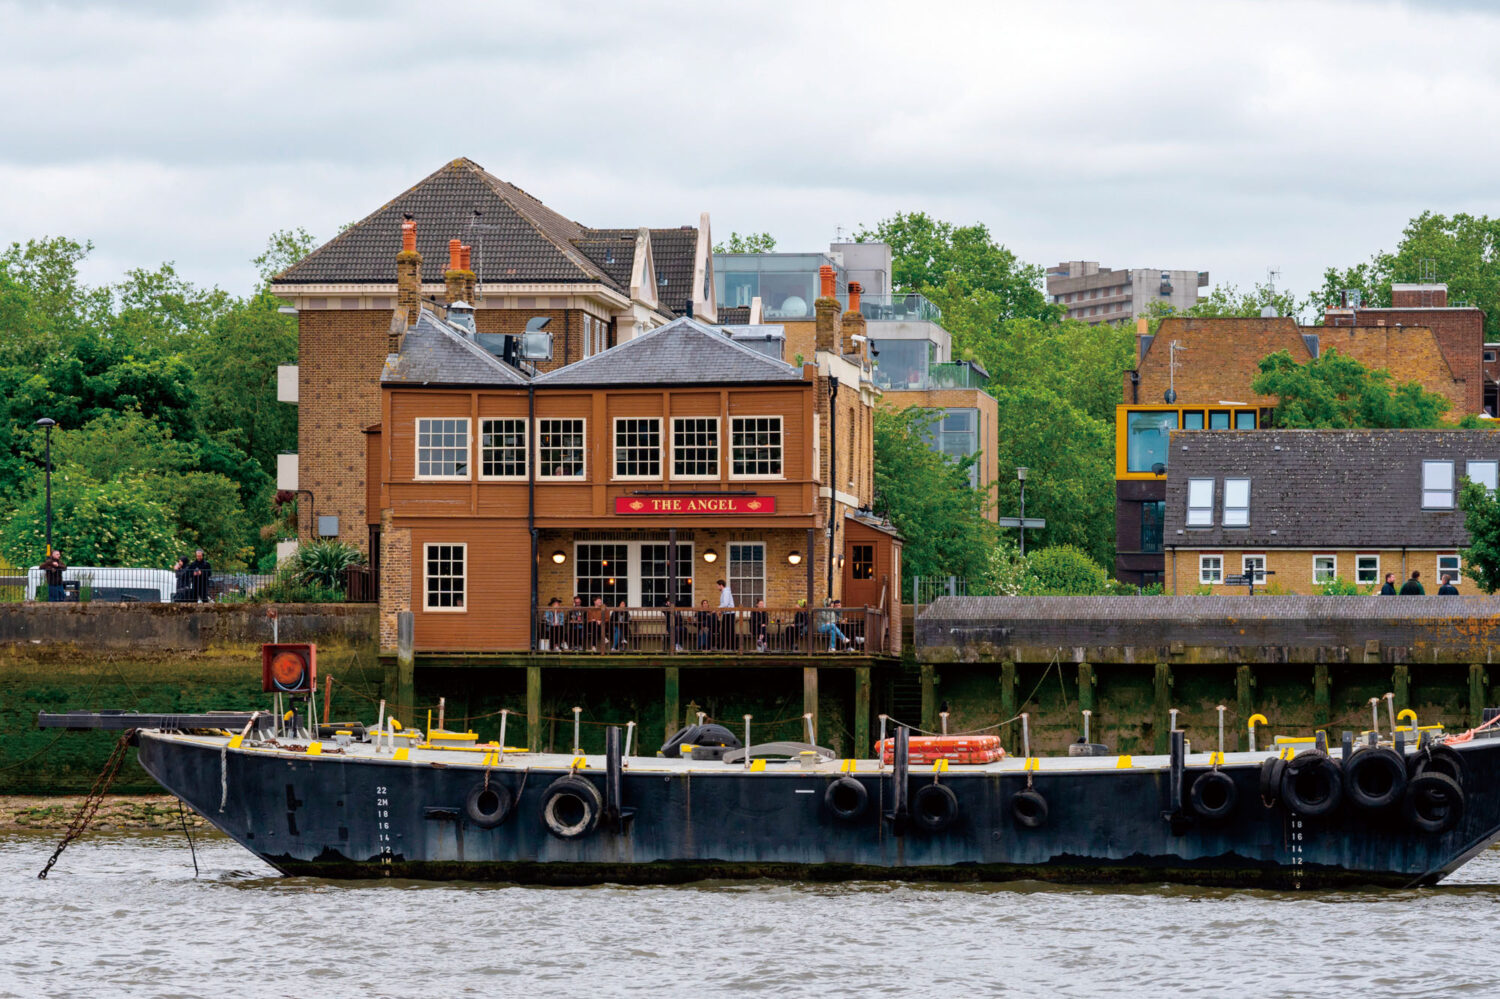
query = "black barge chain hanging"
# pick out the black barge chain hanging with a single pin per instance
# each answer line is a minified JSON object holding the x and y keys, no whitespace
{"x":90,"y":805}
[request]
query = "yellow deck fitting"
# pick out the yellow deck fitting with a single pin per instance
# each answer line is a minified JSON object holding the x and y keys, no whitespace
{"x":756,"y":766}
{"x":1033,"y":763}
{"x":1216,"y":759}
{"x":1125,"y":763}
{"x":580,"y":763}
{"x":847,"y":767}
{"x":402,"y":754}
{"x":314,"y":749}
{"x":236,"y":742}
{"x":939,"y":766}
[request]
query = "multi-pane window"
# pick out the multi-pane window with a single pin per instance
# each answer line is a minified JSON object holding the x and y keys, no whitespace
{"x":1484,"y":473}
{"x":755,"y":445}
{"x":1366,"y":569}
{"x":1254,"y":568}
{"x":1200,"y":503}
{"x":1449,"y":566}
{"x":443,"y":572}
{"x":502,"y":449}
{"x":1146,"y":439}
{"x":1437,"y":485}
{"x":695,"y":447}
{"x":747,"y":573}
{"x":1325,"y":568}
{"x":1153,"y":513}
{"x":862,"y":562}
{"x":1236,"y":502}
{"x":655,"y":575}
{"x":1210,"y":568}
{"x":443,"y":449}
{"x":638,"y":448}
{"x":602,"y":570}
{"x":559,"y":449}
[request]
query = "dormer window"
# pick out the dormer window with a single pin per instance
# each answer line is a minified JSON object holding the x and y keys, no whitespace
{"x":1200,"y":503}
{"x":1437,"y":485}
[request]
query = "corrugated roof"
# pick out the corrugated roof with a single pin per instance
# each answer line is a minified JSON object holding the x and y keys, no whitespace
{"x":683,"y":352}
{"x":434,"y":353}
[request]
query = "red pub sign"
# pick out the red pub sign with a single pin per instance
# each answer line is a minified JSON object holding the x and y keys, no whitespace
{"x":695,"y":504}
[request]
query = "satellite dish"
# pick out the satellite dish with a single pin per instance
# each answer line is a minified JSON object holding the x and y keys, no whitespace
{"x":1170,"y":395}
{"x":1160,"y":468}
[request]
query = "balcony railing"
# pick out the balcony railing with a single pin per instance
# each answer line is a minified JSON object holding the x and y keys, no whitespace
{"x":102,"y":584}
{"x":939,"y":376}
{"x":902,"y":307}
{"x":741,"y":631}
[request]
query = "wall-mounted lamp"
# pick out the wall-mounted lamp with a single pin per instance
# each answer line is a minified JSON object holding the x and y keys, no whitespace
{"x":559,"y":557}
{"x":841,"y":561}
{"x":795,"y":558}
{"x":710,"y":556}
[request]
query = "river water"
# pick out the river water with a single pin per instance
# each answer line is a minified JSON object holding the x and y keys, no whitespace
{"x":123,"y":915}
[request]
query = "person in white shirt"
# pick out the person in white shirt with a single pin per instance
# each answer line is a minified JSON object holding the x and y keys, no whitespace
{"x":726,"y":611}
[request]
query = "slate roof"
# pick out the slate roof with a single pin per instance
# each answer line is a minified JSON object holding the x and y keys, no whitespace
{"x":523,"y":241}
{"x":1322,"y":488}
{"x":434,"y":353}
{"x":734,"y":315}
{"x":683,"y":352}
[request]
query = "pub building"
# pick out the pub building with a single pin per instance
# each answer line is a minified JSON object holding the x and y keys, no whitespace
{"x":625,"y":486}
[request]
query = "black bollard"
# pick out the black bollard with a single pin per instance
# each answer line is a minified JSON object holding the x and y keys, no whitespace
{"x":901,"y":759}
{"x":1179,"y":760}
{"x":1348,"y":744}
{"x":612,"y":777}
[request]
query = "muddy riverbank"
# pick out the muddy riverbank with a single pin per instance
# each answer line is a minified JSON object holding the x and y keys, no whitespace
{"x":117,"y":813}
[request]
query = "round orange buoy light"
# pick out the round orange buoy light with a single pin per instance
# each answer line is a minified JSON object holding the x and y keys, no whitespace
{"x":288,"y":670}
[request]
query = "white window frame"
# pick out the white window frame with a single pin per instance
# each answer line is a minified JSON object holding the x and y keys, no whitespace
{"x":780,"y":449}
{"x":1491,"y":480}
{"x":1457,"y":569}
{"x":541,"y":463}
{"x":1236,"y":516}
{"x":718,"y":450}
{"x":634,"y":563}
{"x":525,"y":455}
{"x":615,"y":450}
{"x":1360,"y":568}
{"x":463,"y":591}
{"x":1200,"y":515}
{"x":1432,"y":496}
{"x":1259,"y":578}
{"x":1333,"y":569}
{"x":418,"y":447}
{"x":1210,"y":574}
{"x":740,"y":599}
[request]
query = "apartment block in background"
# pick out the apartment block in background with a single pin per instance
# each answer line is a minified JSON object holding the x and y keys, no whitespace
{"x":1097,"y":294}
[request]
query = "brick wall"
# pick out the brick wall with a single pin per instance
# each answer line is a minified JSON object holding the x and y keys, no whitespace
{"x":395,"y":571}
{"x":1410,"y":353}
{"x":1460,"y":335}
{"x":1293,"y":568}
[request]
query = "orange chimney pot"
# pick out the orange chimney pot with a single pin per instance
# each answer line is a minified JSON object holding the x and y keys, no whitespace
{"x":453,"y":255}
{"x":463,"y":257}
{"x":409,"y":236}
{"x":825,"y":276}
{"x":854,"y":289}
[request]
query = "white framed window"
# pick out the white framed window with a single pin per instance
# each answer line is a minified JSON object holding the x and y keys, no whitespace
{"x":1236,"y":502}
{"x":1200,"y":503}
{"x":1325,"y":568}
{"x":1486,"y":473}
{"x":1254,"y":566}
{"x":1449,"y":565}
{"x":747,"y":573}
{"x":656,"y":563}
{"x":443,"y":576}
{"x":1366,"y":569}
{"x":695,"y":447}
{"x":559,"y":448}
{"x":755,"y":447}
{"x":637,"y":447}
{"x":601,"y":570}
{"x":502,"y":448}
{"x":1210,"y":568}
{"x":443,"y":448}
{"x":634,"y":572}
{"x":1437,"y":485}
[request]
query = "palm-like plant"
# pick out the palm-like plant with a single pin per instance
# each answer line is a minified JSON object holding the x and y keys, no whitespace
{"x":325,"y":562}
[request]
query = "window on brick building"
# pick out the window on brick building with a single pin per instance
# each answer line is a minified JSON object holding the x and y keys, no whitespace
{"x":1236,"y":502}
{"x":1210,"y":569}
{"x":1254,"y":567}
{"x":747,"y":573}
{"x":443,"y":448}
{"x":695,"y":447}
{"x":1437,"y":485}
{"x":602,"y":570}
{"x":502,"y":449}
{"x":1244,"y":420}
{"x":559,"y":449}
{"x":1366,"y":569}
{"x":862,"y":562}
{"x":638,"y":447}
{"x":755,"y":446}
{"x":1325,"y":568}
{"x":655,"y":574}
{"x":1451,"y":566}
{"x":588,"y":336}
{"x":443,"y":576}
{"x":1200,"y":503}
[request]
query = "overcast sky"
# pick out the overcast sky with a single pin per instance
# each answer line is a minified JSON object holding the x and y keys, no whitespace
{"x":1226,"y":136}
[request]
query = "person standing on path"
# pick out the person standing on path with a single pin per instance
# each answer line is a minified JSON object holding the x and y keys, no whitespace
{"x":1413,"y":586}
{"x":52,"y":568}
{"x":1389,"y":589}
{"x":726,"y":614}
{"x":199,"y":571}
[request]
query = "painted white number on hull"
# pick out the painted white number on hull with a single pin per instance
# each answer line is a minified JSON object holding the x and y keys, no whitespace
{"x":383,"y":828}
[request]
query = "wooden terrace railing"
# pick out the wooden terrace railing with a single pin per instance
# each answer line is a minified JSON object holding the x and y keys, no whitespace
{"x":738,"y":631}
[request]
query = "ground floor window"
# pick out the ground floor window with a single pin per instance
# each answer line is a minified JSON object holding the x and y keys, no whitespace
{"x":635,"y":572}
{"x":747,"y":573}
{"x":1254,"y":568}
{"x":443,"y":576}
{"x":862,"y":563}
{"x":656,"y":562}
{"x":602,"y":570}
{"x":1366,"y":569}
{"x":1325,"y":568}
{"x":1210,"y":568}
{"x":1449,"y":565}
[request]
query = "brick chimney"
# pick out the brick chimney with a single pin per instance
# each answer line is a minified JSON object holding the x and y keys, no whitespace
{"x":471,"y":288}
{"x":409,"y":272}
{"x":830,"y":334}
{"x":854,"y":323}
{"x":453,"y":277}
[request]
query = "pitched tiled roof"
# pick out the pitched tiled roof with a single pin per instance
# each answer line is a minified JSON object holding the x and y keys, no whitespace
{"x":434,"y":353}
{"x":1322,"y":488}
{"x":615,"y":255}
{"x":734,"y":315}
{"x":674,"y":253}
{"x":683,"y":352}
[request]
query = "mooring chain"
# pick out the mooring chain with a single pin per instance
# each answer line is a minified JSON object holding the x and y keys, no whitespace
{"x":223,"y":777}
{"x":90,"y":805}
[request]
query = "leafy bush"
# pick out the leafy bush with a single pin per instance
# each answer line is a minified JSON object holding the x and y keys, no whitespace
{"x":118,"y":522}
{"x":1064,"y":570}
{"x":291,"y":587}
{"x":1341,"y":587}
{"x":324,"y":563}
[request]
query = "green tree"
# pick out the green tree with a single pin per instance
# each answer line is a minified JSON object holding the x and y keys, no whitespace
{"x":1333,"y":391}
{"x":284,"y":248}
{"x":928,"y":497}
{"x":1481,"y":560}
{"x":750,"y":242}
{"x":1064,"y":570}
{"x":114,"y":523}
{"x":1227,"y":300}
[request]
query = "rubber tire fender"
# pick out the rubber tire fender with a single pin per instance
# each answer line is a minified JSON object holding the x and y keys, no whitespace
{"x":585,"y":793}
{"x":1203,"y":786}
{"x":1312,"y":762}
{"x":1029,"y":808}
{"x":1419,"y":791}
{"x":488,"y":805}
{"x":1441,"y":760}
{"x":934,"y":807}
{"x":1361,"y":763}
{"x":846,"y":799}
{"x":1270,"y":779}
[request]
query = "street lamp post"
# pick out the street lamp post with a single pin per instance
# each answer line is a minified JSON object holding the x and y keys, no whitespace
{"x":47,"y":423}
{"x":1021,"y":477}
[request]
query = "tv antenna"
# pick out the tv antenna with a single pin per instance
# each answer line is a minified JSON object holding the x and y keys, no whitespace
{"x":1270,"y":310}
{"x":478,"y":225}
{"x":1172,"y":350}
